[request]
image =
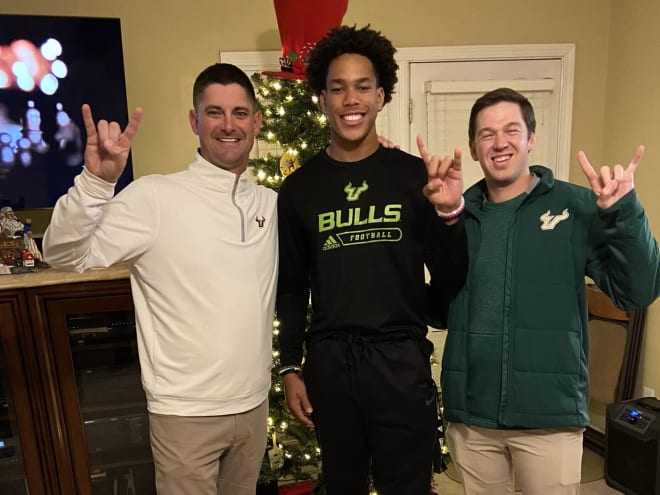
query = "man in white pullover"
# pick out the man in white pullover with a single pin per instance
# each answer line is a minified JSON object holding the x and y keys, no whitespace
{"x":204,"y":322}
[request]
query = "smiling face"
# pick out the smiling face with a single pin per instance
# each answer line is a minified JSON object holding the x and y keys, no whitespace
{"x":351,"y":101}
{"x":227,"y":123}
{"x":502,"y":144}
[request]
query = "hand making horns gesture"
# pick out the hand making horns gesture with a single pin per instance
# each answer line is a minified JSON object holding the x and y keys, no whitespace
{"x":106,"y":152}
{"x":445,"y":178}
{"x":612,"y":184}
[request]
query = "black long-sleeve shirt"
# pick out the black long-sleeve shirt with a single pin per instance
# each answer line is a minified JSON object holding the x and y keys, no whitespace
{"x":357,"y":235}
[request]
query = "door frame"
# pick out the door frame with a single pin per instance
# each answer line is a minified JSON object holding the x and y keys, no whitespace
{"x":565,"y":53}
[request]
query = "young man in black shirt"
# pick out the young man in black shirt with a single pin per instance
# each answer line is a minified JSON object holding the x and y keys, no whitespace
{"x":357,"y":224}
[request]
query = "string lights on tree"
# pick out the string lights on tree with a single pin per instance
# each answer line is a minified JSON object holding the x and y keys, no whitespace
{"x":292,"y":453}
{"x":293,"y":129}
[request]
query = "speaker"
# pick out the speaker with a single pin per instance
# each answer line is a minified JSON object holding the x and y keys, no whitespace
{"x":632,"y":459}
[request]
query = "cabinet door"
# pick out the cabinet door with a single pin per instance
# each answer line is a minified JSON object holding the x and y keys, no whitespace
{"x":94,"y":345}
{"x":21,"y":459}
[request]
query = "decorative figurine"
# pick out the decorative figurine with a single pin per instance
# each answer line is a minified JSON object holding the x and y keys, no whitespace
{"x":11,"y":226}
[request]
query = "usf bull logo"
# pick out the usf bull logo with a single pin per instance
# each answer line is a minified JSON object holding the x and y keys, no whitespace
{"x":362,"y":224}
{"x":549,"y":222}
{"x":353,"y":192}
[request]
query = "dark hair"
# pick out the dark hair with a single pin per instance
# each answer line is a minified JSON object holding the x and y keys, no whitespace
{"x":223,"y":74}
{"x":363,"y":41}
{"x":496,"y":96}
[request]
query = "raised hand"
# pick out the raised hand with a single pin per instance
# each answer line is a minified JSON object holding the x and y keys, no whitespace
{"x":106,"y":152}
{"x":445,"y":178}
{"x":612,"y":184}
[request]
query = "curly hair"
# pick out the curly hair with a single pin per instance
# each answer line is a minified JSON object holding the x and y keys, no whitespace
{"x":363,"y":41}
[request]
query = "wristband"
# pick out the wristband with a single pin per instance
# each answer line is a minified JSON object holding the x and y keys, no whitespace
{"x":452,"y":214}
{"x":285,"y":370}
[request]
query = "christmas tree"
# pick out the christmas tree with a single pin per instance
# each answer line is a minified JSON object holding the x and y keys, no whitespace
{"x":293,"y":130}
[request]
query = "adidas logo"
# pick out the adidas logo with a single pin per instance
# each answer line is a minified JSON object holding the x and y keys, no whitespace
{"x":331,"y":243}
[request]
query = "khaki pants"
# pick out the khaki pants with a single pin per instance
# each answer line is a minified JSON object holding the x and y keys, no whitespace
{"x":545,"y":461}
{"x":208,"y":455}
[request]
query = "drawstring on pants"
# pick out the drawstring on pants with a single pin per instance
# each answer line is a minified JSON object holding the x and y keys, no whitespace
{"x":357,"y":349}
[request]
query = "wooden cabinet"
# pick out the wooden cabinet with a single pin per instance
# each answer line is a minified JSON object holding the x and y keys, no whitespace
{"x":75,"y":415}
{"x":23,"y":463}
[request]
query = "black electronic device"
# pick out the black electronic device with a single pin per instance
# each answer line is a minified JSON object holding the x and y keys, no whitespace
{"x":632,"y":457}
{"x":97,"y":328}
{"x":105,"y":357}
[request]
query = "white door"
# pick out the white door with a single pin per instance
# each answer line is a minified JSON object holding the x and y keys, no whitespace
{"x":438,"y":85}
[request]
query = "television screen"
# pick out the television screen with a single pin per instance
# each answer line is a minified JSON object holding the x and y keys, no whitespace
{"x":49,"y":67}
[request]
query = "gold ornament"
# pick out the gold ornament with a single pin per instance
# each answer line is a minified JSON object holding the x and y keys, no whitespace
{"x":289,"y":163}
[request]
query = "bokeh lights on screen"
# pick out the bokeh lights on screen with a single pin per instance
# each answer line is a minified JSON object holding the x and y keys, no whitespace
{"x":49,"y":67}
{"x":24,"y":66}
{"x":27,"y":68}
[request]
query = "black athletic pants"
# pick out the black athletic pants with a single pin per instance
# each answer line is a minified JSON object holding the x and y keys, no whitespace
{"x":375,"y":408}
